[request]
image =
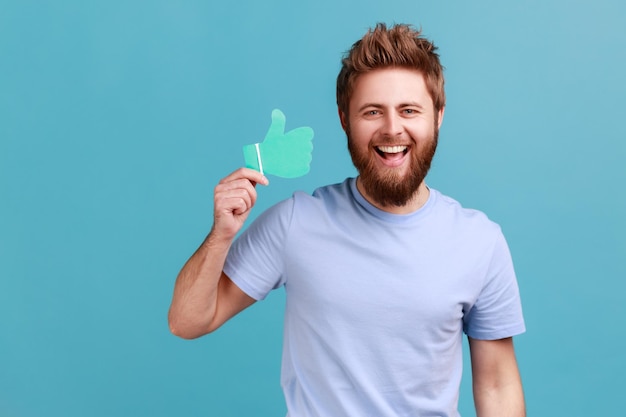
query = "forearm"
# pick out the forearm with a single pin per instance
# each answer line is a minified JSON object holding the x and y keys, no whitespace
{"x":496,"y":379}
{"x":195,"y":309}
{"x":194,"y":302}
{"x":506,"y":400}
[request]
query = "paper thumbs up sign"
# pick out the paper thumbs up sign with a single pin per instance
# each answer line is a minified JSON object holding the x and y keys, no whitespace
{"x":286,"y":155}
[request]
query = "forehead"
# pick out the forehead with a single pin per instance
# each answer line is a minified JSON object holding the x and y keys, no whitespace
{"x":390,"y":86}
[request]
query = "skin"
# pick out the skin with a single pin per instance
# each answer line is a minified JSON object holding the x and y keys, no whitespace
{"x":204,"y":297}
{"x":391,"y":107}
{"x":388,"y":107}
{"x":496,"y":381}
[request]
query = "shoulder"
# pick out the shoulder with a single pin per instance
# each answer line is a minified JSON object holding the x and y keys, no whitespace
{"x":464,"y":224}
{"x":460,"y":216}
{"x":328,"y":197}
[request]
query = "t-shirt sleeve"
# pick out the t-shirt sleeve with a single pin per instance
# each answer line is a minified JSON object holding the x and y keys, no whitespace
{"x":497,"y":312}
{"x":255,"y":260}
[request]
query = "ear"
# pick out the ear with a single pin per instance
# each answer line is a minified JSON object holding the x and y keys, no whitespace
{"x":440,"y":117}
{"x":343,"y":119}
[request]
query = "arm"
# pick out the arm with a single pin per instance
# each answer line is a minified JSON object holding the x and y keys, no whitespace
{"x":496,"y":380}
{"x":204,"y":297}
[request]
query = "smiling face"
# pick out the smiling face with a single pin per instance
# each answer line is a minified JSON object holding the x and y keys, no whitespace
{"x":392,"y":130}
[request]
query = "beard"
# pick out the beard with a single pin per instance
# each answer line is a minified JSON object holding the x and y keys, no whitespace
{"x":385,"y":186}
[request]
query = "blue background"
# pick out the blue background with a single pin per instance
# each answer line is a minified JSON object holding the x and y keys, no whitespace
{"x":118,"y":118}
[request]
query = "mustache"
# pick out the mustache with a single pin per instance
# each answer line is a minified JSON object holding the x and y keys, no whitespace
{"x":391,"y":141}
{"x":388,"y":188}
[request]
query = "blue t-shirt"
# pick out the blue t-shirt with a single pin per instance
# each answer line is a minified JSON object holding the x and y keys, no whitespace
{"x":376,"y":302}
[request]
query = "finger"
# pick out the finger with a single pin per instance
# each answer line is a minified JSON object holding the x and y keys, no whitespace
{"x":251,"y":175}
{"x":239,"y":185}
{"x":236,"y":188}
{"x":229,"y":214}
{"x":277,"y":128}
{"x":236,"y":205}
{"x":234,"y":202}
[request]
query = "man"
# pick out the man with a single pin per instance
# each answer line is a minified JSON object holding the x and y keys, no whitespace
{"x":382,"y":274}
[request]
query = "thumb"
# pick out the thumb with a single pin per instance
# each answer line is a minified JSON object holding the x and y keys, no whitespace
{"x":277,"y":128}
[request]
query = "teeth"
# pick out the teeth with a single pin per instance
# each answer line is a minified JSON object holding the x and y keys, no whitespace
{"x":392,"y":149}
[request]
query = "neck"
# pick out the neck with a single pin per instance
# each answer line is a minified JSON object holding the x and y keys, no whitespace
{"x":416,"y":202}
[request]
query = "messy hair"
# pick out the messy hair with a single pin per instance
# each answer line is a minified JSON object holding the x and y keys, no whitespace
{"x":399,"y":46}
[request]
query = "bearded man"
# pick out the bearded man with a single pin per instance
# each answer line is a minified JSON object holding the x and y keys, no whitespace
{"x":382,"y":274}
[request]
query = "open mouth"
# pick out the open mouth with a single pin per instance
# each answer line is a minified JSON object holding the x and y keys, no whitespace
{"x":392,"y":153}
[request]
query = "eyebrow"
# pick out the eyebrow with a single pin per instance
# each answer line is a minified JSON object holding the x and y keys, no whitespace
{"x":412,"y":104}
{"x":366,"y":105}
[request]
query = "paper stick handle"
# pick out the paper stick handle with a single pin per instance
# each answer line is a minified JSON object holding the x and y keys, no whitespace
{"x":258,"y":157}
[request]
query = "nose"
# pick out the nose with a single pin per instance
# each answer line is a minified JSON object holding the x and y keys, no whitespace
{"x":392,"y":125}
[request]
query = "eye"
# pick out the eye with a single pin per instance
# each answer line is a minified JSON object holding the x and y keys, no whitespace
{"x":372,"y":112}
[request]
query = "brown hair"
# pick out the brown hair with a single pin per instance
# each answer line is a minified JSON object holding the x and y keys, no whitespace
{"x":399,"y":46}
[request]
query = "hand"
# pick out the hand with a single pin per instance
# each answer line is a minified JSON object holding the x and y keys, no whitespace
{"x":234,"y":196}
{"x":286,"y":155}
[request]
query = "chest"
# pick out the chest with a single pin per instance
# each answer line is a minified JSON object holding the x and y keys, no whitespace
{"x":385,"y":281}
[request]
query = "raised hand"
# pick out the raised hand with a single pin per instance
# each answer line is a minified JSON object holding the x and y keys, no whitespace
{"x":286,"y":155}
{"x":234,"y":196}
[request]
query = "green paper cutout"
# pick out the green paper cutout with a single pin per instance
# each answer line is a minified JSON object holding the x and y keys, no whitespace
{"x":286,"y":155}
